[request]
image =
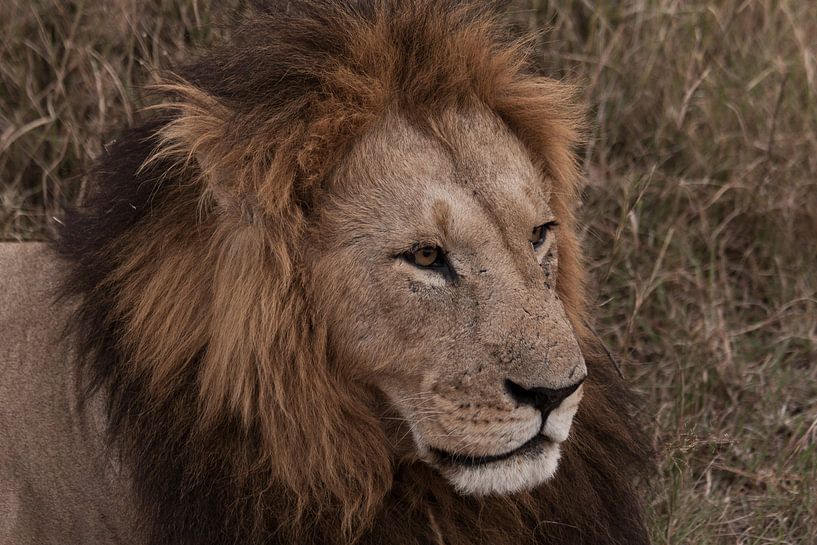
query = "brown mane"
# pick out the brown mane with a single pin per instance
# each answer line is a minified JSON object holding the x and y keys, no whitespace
{"x":196,"y":318}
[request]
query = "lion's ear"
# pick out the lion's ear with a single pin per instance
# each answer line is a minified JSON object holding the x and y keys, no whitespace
{"x":244,"y":167}
{"x":196,"y":135}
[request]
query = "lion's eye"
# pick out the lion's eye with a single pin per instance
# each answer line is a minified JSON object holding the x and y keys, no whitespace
{"x":427,"y":257}
{"x":538,"y":234}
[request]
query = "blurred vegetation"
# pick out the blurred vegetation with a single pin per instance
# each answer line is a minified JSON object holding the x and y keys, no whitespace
{"x":700,"y":212}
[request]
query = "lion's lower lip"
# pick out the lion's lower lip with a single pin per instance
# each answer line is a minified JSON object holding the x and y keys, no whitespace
{"x":532,"y":445}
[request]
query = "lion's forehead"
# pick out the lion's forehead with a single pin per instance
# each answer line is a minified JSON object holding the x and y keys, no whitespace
{"x":474,"y":172}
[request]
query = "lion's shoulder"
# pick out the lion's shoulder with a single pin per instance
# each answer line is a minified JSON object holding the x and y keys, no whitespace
{"x":28,"y":315}
{"x":57,"y":483}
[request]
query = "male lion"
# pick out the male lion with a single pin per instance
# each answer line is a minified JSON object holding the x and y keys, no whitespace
{"x":331,"y":294}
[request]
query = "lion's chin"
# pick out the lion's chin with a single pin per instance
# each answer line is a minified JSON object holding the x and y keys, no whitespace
{"x":506,"y":476}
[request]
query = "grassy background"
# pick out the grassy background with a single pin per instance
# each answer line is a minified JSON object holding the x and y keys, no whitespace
{"x":701,"y":212}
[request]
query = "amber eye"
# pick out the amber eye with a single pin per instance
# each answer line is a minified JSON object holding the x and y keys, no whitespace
{"x":427,"y":257}
{"x":539,"y":233}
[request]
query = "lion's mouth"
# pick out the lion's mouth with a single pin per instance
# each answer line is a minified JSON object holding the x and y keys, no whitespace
{"x":532,"y":446}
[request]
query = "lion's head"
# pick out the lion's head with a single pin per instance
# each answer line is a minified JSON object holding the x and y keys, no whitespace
{"x":336,"y":283}
{"x":434,"y":259}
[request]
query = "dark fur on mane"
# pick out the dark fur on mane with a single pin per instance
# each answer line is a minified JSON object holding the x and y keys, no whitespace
{"x":268,"y":103}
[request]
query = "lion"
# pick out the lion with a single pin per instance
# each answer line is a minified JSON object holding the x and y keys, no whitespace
{"x":331,"y":291}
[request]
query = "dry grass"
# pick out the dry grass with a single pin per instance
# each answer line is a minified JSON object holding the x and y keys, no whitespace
{"x":701,"y":211}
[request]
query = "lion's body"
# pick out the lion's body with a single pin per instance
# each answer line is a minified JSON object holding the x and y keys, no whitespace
{"x":57,"y":482}
{"x":263,"y":353}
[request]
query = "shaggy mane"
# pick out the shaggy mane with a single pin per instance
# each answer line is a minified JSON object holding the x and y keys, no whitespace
{"x":195,"y":322}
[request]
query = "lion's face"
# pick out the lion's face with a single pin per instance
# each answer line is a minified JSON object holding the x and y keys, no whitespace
{"x":436,"y":264}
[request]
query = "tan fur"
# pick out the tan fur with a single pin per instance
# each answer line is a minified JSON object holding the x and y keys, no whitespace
{"x":59,"y":482}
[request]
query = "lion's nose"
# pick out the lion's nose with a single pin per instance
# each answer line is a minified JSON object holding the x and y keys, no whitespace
{"x":544,"y":399}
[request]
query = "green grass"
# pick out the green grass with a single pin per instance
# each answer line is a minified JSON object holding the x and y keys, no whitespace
{"x":700,"y":207}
